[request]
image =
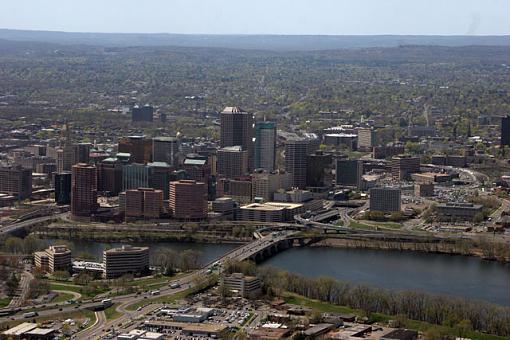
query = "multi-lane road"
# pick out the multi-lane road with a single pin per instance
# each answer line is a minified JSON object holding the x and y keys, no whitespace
{"x":12,"y":228}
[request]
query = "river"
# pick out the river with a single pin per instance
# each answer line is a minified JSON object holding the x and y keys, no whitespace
{"x":456,"y":275}
{"x":461,"y":276}
{"x":208,"y":251}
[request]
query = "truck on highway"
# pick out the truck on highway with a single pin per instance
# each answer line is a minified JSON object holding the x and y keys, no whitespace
{"x":106,"y":303}
{"x":30,"y":315}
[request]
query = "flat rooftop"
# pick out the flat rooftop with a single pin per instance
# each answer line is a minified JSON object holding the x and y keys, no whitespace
{"x":273,"y":206}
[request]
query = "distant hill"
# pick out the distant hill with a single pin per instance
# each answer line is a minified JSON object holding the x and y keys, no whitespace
{"x":261,"y":42}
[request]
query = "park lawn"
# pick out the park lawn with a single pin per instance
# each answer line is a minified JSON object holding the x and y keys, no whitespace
{"x":358,"y":225}
{"x":4,"y":302}
{"x":112,"y":313}
{"x":62,"y":297}
{"x":379,"y":317}
{"x":391,"y":225}
{"x":73,"y":288}
{"x":65,"y":286}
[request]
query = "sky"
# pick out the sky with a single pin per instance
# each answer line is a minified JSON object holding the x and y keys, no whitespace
{"x":328,"y":17}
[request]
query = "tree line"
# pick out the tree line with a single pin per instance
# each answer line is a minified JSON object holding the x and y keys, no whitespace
{"x":435,"y":309}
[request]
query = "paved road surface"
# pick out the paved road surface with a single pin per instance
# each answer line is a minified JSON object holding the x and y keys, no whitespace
{"x":23,"y":288}
{"x":93,"y":331}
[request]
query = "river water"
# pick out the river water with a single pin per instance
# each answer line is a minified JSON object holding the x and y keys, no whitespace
{"x":461,"y":276}
{"x":208,"y":252}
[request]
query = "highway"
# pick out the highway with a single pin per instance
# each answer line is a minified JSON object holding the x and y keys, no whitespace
{"x":6,"y":229}
{"x":23,"y":288}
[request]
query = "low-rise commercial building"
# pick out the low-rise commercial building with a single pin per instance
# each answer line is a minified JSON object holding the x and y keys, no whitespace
{"x":431,"y":177}
{"x":458,"y":211}
{"x":55,"y":258}
{"x":245,"y":286}
{"x":269,"y":212}
{"x":126,"y":260}
{"x":424,"y":189}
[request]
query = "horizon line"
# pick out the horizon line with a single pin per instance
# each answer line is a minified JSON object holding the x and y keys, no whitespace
{"x":265,"y":34}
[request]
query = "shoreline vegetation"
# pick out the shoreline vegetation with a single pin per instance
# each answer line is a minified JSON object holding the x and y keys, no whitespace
{"x":481,"y":247}
{"x":426,"y":312}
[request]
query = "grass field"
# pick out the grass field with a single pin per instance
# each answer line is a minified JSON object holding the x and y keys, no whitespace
{"x":4,"y":302}
{"x":62,"y":297}
{"x":111,"y":312}
{"x":358,"y":225}
{"x":73,"y":288}
{"x":390,"y":225}
{"x":378,"y":317}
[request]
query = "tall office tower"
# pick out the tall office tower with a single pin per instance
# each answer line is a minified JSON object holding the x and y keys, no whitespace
{"x":81,"y":152}
{"x":385,"y":199}
{"x":135,"y":176}
{"x":142,"y":113}
{"x":197,"y":167}
{"x":66,"y":154}
{"x":138,"y":147}
{"x":265,"y":184}
{"x":318,"y":164}
{"x":160,"y":174}
{"x":63,"y":187}
{"x":403,"y":166}
{"x":65,"y":158}
{"x":83,"y":190}
{"x":232,"y":162}
{"x":16,"y":181}
{"x":505,"y":131}
{"x":188,"y":200}
{"x":237,"y":128}
{"x":367,"y":139}
{"x":143,"y":202}
{"x":265,"y":146}
{"x":165,"y":149}
{"x":349,"y":172}
{"x":109,"y":176}
{"x":296,"y":152}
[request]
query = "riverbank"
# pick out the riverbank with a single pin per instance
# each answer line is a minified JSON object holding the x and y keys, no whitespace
{"x":420,"y":326}
{"x":448,"y":247}
{"x":131,"y":235}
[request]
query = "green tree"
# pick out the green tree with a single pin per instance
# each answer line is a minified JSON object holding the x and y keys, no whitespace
{"x":12,"y":285}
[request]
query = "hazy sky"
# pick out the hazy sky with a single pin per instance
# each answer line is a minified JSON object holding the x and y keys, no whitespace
{"x":261,"y":16}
